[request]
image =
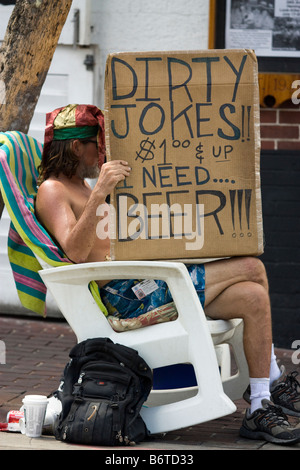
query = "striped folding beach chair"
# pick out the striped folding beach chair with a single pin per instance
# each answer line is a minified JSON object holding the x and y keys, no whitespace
{"x":29,"y":244}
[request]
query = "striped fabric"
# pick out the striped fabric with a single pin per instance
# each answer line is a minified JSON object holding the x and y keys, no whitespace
{"x":20,"y":157}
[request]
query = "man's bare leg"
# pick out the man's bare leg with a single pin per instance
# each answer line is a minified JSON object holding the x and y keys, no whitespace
{"x":238,"y":288}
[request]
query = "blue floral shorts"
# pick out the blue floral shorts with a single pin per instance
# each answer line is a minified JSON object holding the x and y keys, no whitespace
{"x":130,"y":298}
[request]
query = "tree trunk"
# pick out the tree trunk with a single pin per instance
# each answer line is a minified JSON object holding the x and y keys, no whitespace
{"x":25,"y":57}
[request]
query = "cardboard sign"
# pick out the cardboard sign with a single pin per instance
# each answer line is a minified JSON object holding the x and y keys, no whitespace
{"x":188,"y":124}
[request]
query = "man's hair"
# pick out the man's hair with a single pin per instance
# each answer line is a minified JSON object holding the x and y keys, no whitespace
{"x":59,"y":159}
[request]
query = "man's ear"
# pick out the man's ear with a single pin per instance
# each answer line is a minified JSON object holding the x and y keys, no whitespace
{"x":76,"y":147}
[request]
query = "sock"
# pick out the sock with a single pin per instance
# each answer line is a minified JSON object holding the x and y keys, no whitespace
{"x":275,"y":372}
{"x":260,"y":390}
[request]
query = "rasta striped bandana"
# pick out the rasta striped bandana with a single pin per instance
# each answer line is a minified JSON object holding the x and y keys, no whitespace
{"x":76,"y":121}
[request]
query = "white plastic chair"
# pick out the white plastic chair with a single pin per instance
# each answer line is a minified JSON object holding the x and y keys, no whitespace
{"x":191,"y":338}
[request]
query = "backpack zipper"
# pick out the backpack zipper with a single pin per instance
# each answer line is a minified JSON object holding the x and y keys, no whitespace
{"x":94,"y":408}
{"x":64,"y":436}
{"x":79,"y":381}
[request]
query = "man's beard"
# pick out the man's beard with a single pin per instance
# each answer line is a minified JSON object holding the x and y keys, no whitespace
{"x":90,"y":172}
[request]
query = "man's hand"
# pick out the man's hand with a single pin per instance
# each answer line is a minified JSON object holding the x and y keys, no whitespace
{"x":110,"y":175}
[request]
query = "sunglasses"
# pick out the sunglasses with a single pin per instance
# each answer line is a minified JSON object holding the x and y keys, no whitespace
{"x":93,"y":141}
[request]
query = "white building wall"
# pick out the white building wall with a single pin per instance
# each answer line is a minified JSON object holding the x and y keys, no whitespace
{"x":146,"y":25}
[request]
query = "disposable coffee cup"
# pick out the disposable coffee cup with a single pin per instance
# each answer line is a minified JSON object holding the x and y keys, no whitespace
{"x":35,"y":407}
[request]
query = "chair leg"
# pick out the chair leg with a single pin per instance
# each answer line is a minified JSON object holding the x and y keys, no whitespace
{"x":171,"y":395}
{"x":188,"y":412}
{"x":224,"y":360}
{"x":235,"y":385}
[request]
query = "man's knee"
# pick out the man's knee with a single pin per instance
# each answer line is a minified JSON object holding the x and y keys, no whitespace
{"x":255,"y":270}
{"x":257,"y":302}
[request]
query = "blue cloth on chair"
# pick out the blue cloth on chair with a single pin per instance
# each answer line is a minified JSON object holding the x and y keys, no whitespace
{"x":121,"y":301}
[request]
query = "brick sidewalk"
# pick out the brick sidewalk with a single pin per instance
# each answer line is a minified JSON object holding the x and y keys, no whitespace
{"x":37,"y":351}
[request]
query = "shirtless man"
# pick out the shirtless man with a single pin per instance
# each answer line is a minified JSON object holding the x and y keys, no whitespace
{"x":234,"y":288}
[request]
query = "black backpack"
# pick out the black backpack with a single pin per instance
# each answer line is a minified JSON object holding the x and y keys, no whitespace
{"x":103,"y":388}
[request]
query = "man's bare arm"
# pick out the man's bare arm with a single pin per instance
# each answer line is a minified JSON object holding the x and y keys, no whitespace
{"x":54,"y":209}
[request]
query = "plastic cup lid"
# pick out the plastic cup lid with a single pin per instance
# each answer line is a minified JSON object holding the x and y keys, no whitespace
{"x":35,"y":398}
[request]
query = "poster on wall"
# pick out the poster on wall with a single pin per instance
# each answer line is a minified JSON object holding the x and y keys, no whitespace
{"x":271,"y":28}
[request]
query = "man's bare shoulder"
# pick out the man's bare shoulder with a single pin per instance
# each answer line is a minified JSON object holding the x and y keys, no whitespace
{"x":53,"y":187}
{"x":52,"y":192}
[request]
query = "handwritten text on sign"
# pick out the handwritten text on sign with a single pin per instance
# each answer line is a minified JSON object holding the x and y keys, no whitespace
{"x":186,"y":124}
{"x":193,"y":112}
